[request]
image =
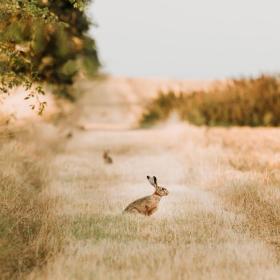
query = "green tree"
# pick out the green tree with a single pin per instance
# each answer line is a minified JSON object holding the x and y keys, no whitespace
{"x":44,"y":41}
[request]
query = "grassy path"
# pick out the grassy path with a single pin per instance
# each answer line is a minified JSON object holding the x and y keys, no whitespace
{"x":194,"y":235}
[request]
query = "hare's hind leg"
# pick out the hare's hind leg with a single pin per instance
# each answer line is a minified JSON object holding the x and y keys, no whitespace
{"x":132,"y":211}
{"x":135,"y":211}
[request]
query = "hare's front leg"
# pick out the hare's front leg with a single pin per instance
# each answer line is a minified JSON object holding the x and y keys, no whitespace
{"x":152,"y":211}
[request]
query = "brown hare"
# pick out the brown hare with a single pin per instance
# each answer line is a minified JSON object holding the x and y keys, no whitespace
{"x":107,"y":158}
{"x":148,"y":204}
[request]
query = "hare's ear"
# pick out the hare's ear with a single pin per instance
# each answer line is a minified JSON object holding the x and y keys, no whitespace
{"x":152,"y":180}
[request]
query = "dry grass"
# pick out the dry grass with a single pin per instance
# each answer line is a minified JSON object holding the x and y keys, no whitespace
{"x":255,"y":191}
{"x":243,"y":102}
{"x":219,"y":222}
{"x":30,"y":233}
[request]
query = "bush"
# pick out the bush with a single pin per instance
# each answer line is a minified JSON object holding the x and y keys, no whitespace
{"x":160,"y":108}
{"x":243,"y":102}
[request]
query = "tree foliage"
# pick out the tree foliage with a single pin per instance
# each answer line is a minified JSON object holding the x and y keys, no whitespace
{"x":44,"y":41}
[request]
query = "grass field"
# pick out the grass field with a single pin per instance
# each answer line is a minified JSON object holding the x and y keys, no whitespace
{"x":220,"y":221}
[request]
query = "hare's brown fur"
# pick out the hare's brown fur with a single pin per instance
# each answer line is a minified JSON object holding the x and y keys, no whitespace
{"x":107,"y":158}
{"x":148,"y":204}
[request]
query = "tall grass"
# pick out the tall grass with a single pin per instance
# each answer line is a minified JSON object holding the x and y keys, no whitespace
{"x":30,"y":233}
{"x":253,"y":155}
{"x":243,"y":102}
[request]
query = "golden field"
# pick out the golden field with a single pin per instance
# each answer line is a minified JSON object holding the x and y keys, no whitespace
{"x":238,"y":102}
{"x":220,"y":220}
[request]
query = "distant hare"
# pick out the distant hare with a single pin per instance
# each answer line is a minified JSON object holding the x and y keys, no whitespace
{"x":148,"y":204}
{"x":107,"y":158}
